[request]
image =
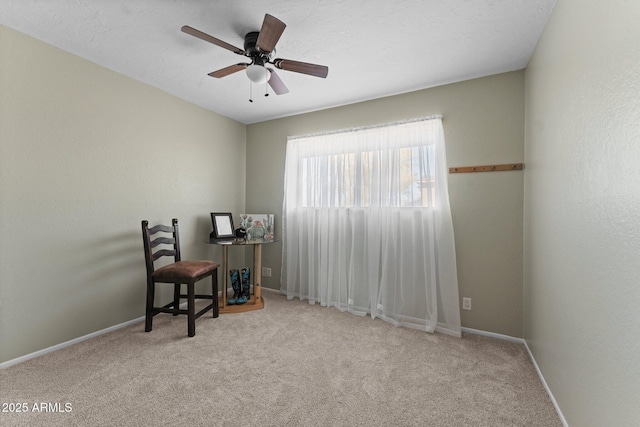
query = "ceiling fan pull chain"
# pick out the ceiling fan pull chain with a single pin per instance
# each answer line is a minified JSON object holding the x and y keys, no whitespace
{"x":250,"y":91}
{"x":266,"y":89}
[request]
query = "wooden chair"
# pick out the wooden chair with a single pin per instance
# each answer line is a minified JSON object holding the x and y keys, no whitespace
{"x":178,"y":272}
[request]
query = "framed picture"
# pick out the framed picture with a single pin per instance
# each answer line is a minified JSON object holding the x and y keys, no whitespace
{"x":258,"y":226}
{"x":222,"y":225}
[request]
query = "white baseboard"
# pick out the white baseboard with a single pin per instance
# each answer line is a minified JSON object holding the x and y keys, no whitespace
{"x":77,"y":340}
{"x":493,"y":335}
{"x":533,"y":360}
{"x":67,"y":343}
{"x":546,"y":386}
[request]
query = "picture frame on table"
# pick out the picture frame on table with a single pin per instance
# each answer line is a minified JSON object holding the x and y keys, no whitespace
{"x":259,"y":227}
{"x":222,"y":225}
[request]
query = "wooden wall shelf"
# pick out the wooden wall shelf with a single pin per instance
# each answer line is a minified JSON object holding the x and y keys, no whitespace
{"x":488,"y":168}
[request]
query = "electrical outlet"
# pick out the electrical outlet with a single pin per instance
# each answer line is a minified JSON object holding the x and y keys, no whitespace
{"x":266,"y":272}
{"x":466,"y":303}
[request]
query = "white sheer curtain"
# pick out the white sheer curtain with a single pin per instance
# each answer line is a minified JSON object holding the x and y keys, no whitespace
{"x":367,"y":225}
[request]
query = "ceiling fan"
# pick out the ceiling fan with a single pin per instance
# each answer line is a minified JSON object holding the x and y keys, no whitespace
{"x":259,"y":46}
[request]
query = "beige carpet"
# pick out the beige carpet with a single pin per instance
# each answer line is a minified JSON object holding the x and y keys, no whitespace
{"x":289,"y":364}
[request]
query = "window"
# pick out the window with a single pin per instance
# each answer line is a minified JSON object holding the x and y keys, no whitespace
{"x":385,"y":166}
{"x":393,"y":177}
{"x":367,"y":226}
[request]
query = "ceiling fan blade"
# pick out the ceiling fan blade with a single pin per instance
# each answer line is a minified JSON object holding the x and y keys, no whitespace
{"x":270,"y":33}
{"x":302,"y":67}
{"x":206,"y":37}
{"x":223,"y":72}
{"x":276,"y":84}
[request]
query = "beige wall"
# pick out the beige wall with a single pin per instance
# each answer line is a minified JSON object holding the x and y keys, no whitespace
{"x":582,"y":210}
{"x":82,"y":151}
{"x":484,"y":124}
{"x":80,"y":147}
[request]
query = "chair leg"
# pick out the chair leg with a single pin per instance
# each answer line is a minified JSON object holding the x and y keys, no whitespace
{"x":176,"y":298}
{"x":214,"y":289}
{"x":148,"y":323}
{"x":191,"y":309}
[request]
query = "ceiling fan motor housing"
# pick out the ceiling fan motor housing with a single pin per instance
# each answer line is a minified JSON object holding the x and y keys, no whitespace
{"x":252,"y":51}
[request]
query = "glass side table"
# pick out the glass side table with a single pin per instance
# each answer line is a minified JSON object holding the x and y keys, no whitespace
{"x":255,"y":301}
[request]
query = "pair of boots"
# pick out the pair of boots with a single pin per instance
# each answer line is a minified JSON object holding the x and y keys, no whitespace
{"x":241,"y":286}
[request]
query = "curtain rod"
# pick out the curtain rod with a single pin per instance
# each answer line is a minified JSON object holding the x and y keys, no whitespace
{"x":359,"y":128}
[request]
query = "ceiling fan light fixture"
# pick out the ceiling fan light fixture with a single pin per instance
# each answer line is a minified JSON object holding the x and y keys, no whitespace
{"x":257,"y":73}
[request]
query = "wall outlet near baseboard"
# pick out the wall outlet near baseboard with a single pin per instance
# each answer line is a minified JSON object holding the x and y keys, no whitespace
{"x":266,"y":272}
{"x":466,"y":303}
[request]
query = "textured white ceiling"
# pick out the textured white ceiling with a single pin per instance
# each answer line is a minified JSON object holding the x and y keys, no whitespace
{"x":373,"y":48}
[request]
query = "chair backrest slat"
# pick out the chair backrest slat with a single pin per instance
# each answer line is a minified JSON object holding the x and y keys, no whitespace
{"x":162,"y":240}
{"x":160,"y":227}
{"x":163,"y":252}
